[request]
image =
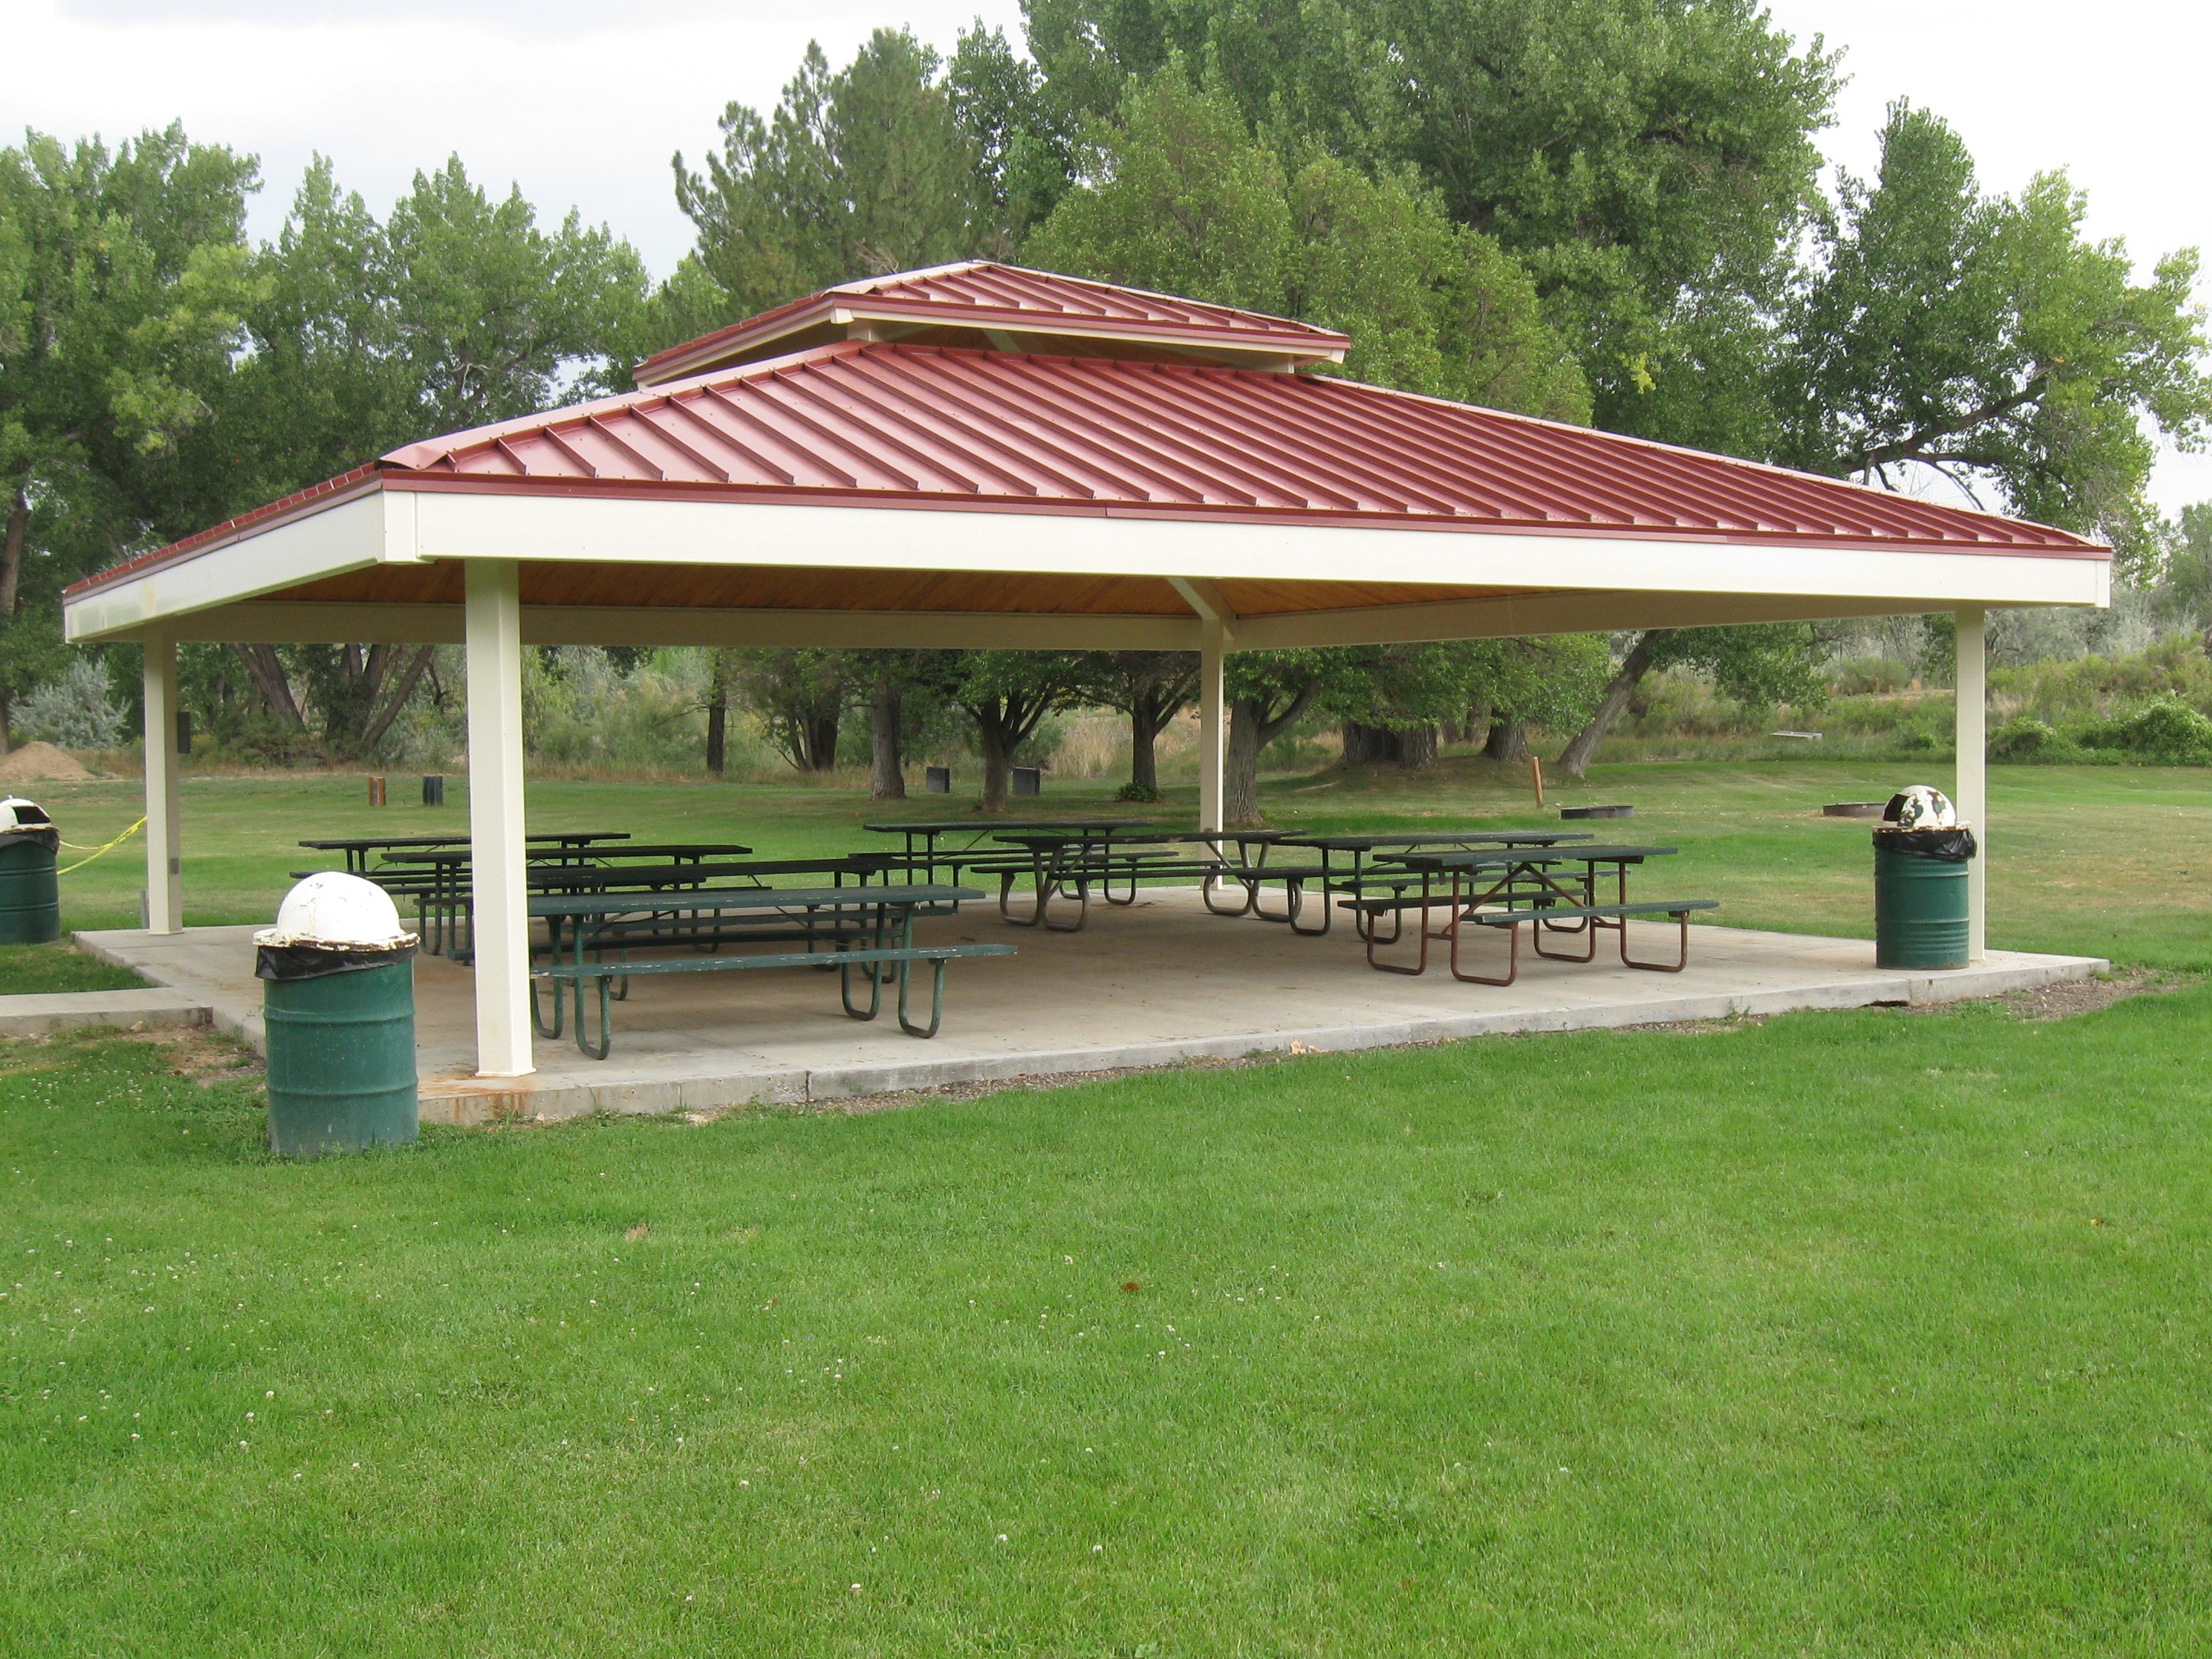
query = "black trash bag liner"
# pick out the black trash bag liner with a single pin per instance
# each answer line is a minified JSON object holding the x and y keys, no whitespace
{"x":1952,"y":846}
{"x":38,"y":835}
{"x":294,"y":961}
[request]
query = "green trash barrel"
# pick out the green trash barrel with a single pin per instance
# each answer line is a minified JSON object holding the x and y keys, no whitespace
{"x":1920,"y":897}
{"x":30,"y":898}
{"x":337,"y":1014}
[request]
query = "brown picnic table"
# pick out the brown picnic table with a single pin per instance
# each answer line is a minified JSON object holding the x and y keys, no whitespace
{"x":1552,"y":891}
{"x":1345,"y":864}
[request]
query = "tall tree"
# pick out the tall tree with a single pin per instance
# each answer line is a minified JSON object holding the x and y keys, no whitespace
{"x":859,"y":172}
{"x":1190,"y":202}
{"x":801,"y":696}
{"x":1983,"y":337}
{"x":1007,"y":693}
{"x":495,"y":316}
{"x":1024,"y":144}
{"x":1268,"y":692}
{"x":123,"y":276}
{"x":1756,"y":662}
{"x":1650,"y":161}
{"x":457,"y":310}
{"x":1152,"y":688}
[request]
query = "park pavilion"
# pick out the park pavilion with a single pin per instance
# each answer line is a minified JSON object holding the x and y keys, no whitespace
{"x":980,"y":455}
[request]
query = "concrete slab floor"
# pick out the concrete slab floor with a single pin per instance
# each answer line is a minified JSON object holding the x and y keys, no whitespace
{"x":1157,"y":983}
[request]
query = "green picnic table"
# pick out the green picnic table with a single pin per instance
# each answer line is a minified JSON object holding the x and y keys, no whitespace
{"x":437,"y":879}
{"x":870,"y":929}
{"x":1076,"y":858}
{"x":357,"y":849}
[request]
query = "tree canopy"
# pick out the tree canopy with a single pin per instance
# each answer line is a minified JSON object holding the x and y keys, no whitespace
{"x":1984,"y":338}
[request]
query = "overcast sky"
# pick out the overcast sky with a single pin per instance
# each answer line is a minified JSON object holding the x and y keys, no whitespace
{"x":583,"y":101}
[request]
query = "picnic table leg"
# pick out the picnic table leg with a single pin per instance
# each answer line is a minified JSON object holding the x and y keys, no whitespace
{"x":1006,"y":879}
{"x":1314,"y":932}
{"x":596,"y":1051}
{"x":874,"y":936}
{"x":1512,"y":956}
{"x":1682,"y":950}
{"x":1059,"y":880}
{"x":936,"y":1001}
{"x":1210,"y":883}
{"x":1421,"y":962}
{"x":936,"y":988}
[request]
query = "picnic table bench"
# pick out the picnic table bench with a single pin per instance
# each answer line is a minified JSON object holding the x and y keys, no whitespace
{"x":873,"y":933}
{"x":436,"y":879}
{"x":660,"y":896}
{"x":1538,"y":888}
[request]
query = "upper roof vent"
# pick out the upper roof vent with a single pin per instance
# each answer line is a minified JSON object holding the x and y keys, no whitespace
{"x":1008,"y":308}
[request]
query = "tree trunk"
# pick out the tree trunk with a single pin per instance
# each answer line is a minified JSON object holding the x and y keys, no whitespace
{"x":408,"y":679}
{"x":998,"y":766}
{"x":266,"y":669}
{"x":819,"y":739}
{"x":1146,"y":724}
{"x":1417,"y":749}
{"x":1575,"y":757}
{"x":11,"y":586}
{"x":718,"y":715}
{"x":886,"y":767}
{"x":1508,"y":740}
{"x":1251,"y":729}
{"x":1365,"y":744}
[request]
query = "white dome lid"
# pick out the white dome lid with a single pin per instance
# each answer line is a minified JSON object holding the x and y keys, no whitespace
{"x":1922,"y":806}
{"x":16,"y":813}
{"x":338,"y":911}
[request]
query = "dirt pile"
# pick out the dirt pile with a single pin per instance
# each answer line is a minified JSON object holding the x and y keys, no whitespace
{"x":40,"y":762}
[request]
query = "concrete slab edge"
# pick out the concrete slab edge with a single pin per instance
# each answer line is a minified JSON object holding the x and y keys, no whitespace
{"x":469,"y":1101}
{"x":42,"y":1014}
{"x":246,"y":1028}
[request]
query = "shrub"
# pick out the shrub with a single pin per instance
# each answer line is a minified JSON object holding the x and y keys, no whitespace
{"x":77,"y":711}
{"x":2028,"y":740}
{"x":2164,"y":729}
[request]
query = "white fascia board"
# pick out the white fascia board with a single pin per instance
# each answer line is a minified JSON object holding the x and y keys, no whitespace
{"x":277,"y":622}
{"x":603,"y":530}
{"x":351,"y":533}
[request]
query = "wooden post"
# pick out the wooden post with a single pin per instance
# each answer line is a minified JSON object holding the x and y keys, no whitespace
{"x":1536,"y":773}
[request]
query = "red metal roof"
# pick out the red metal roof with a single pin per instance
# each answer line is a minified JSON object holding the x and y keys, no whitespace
{"x":898,"y":425}
{"x":919,"y":425}
{"x":982,"y":294}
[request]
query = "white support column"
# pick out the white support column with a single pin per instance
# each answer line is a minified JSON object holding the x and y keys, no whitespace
{"x":497,"y":867}
{"x":1212,"y":722}
{"x":165,"y":887}
{"x":1973,"y":782}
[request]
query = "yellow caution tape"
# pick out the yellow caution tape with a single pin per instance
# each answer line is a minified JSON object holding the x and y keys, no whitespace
{"x":96,"y":851}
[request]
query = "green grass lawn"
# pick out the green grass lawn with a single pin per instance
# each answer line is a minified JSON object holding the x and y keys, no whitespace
{"x":1865,"y":1333}
{"x":1881,"y":1333}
